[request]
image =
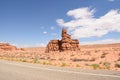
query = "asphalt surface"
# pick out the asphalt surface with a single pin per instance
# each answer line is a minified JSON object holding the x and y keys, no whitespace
{"x":27,"y":71}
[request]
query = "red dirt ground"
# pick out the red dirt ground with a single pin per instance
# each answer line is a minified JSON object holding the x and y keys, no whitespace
{"x":105,"y":56}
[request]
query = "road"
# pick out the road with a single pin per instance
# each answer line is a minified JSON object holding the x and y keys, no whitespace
{"x":10,"y":70}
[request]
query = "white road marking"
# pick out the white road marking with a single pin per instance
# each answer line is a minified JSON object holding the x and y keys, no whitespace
{"x":92,"y":74}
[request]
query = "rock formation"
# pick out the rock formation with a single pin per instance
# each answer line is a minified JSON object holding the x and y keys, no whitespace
{"x":7,"y":47}
{"x":65,"y":44}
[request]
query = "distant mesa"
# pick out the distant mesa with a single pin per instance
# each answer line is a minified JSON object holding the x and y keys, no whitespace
{"x":65,"y":44}
{"x":7,"y":47}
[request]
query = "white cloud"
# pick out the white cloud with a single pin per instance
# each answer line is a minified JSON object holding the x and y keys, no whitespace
{"x":105,"y":41}
{"x":111,"y":0}
{"x":52,"y":27}
{"x":85,"y":25}
{"x":81,"y":13}
{"x":30,"y":45}
{"x":44,"y":32}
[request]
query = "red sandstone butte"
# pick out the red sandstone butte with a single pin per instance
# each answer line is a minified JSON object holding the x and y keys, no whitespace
{"x":7,"y":47}
{"x":65,"y":44}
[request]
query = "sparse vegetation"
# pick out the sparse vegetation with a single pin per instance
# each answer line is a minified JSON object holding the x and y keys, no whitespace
{"x":104,"y":54}
{"x":97,"y":51}
{"x":77,"y":65}
{"x":94,"y":58}
{"x":52,"y":59}
{"x":46,"y":63}
{"x":95,"y":66}
{"x":76,"y":60}
{"x":72,"y":55}
{"x":48,"y":58}
{"x":23,"y":60}
{"x":87,"y":64}
{"x":107,"y":65}
{"x":117,"y":65}
{"x":42,"y":58}
{"x":61,"y":59}
{"x":63,"y":64}
{"x":118,"y":59}
{"x":35,"y":60}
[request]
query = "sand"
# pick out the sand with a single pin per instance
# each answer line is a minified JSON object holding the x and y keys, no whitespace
{"x":104,"y":56}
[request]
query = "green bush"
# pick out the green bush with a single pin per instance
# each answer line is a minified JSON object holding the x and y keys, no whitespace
{"x":35,"y":60}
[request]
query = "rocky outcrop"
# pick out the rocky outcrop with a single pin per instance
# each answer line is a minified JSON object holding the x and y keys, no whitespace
{"x":53,"y":45}
{"x":7,"y":47}
{"x":65,"y":44}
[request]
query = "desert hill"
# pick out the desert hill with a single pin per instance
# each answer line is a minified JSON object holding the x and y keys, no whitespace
{"x":7,"y":47}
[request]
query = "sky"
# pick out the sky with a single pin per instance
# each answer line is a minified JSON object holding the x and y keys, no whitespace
{"x":33,"y":23}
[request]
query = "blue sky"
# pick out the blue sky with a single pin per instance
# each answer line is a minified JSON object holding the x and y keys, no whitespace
{"x":35,"y":22}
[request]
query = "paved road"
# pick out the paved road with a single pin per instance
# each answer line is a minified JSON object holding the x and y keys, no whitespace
{"x":26,"y":71}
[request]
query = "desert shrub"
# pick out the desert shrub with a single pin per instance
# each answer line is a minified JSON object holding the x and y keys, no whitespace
{"x":87,"y":53}
{"x":35,"y":60}
{"x":77,"y":65}
{"x":106,"y":64}
{"x":72,"y":55}
{"x":116,"y":49}
{"x":42,"y":58}
{"x":103,"y":56}
{"x":76,"y":60}
{"x":63,"y":64}
{"x":97,"y":51}
{"x":48,"y":58}
{"x":52,"y":59}
{"x":117,"y":65}
{"x":87,"y":64}
{"x":46,"y":63}
{"x":23,"y":60}
{"x":95,"y":66}
{"x":118,"y":59}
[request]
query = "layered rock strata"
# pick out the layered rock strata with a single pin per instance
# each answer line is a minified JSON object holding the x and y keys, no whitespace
{"x":65,"y":44}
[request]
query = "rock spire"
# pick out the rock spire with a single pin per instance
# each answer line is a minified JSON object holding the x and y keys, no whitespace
{"x":65,"y":44}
